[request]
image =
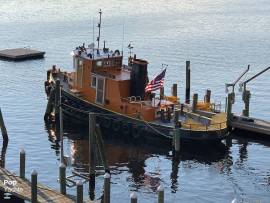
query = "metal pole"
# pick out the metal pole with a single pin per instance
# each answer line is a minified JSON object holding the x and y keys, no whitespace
{"x":160,"y":194}
{"x":107,"y":178}
{"x":22,"y":164}
{"x":174,"y":90}
{"x":133,"y":197}
{"x":62,"y":178}
{"x":79,"y":198}
{"x":57,"y":100}
{"x":34,"y":186}
{"x":187,"y":82}
{"x":176,"y":139}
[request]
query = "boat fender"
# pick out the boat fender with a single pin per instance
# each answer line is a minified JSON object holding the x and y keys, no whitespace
{"x":116,"y":125}
{"x":106,"y":123}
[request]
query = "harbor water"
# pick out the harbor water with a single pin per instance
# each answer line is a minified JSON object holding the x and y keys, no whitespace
{"x":220,"y":38}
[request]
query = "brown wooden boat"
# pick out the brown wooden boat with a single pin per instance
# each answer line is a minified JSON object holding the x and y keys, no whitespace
{"x":101,"y":83}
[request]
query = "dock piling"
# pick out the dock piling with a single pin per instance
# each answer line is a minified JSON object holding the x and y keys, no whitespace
{"x":161,"y":93}
{"x":62,"y":178}
{"x":107,"y":189}
{"x":22,"y":163}
{"x":92,"y":151}
{"x":208,"y":96}
{"x":187,"y":82}
{"x":160,"y":194}
{"x":133,"y":197}
{"x":57,"y":100}
{"x":246,"y":98}
{"x":3,"y":127}
{"x":195,"y":102}
{"x":174,"y":90}
{"x":176,"y":140}
{"x":79,"y":198}
{"x":34,"y":186}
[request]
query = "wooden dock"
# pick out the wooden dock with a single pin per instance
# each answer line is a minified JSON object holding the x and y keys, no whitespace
{"x":20,"y":54}
{"x":253,"y":125}
{"x":21,"y":188}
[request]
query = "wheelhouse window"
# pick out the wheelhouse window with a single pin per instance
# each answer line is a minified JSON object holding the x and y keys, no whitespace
{"x":93,"y":81}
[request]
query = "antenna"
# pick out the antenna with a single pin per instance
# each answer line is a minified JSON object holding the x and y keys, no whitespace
{"x":123,"y":36}
{"x":130,"y":47}
{"x":93,"y":32}
{"x":99,"y":26}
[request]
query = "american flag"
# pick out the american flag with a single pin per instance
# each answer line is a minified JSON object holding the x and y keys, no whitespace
{"x":156,"y":83}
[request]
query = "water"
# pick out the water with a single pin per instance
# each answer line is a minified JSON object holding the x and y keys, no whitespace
{"x":219,"y":37}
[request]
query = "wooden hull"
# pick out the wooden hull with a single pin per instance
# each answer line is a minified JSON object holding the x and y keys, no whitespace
{"x":77,"y":111}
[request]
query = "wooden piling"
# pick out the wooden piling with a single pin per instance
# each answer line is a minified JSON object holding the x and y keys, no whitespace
{"x":3,"y":127}
{"x":176,"y":139}
{"x":62,"y":178}
{"x":160,"y":194}
{"x":107,"y":179}
{"x":176,"y":117}
{"x":161,"y":93}
{"x":195,"y":102}
{"x":182,"y":110}
{"x":229,"y":108}
{"x":22,"y":163}
{"x":34,"y":186}
{"x":187,"y":82}
{"x":174,"y":90}
{"x":79,"y":198}
{"x":208,"y":96}
{"x":61,"y":134}
{"x":92,"y":151}
{"x":246,"y":99}
{"x":133,"y":197}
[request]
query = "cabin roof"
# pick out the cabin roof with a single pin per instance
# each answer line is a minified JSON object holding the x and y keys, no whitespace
{"x":115,"y":74}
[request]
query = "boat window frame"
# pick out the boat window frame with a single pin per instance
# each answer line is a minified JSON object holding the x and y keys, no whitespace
{"x":104,"y":84}
{"x":93,"y":76}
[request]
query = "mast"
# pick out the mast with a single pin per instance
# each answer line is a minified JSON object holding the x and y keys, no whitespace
{"x":99,"y":26}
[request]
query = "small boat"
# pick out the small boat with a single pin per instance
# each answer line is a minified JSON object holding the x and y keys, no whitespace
{"x":123,"y":98}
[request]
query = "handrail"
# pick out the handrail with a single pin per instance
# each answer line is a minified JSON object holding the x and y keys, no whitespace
{"x":204,"y":128}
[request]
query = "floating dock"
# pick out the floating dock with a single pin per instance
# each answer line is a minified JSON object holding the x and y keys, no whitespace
{"x":253,"y":125}
{"x":20,"y":54}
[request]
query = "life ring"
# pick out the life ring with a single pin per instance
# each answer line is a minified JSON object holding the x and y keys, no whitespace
{"x":106,"y":123}
{"x":126,"y":128}
{"x":116,"y":125}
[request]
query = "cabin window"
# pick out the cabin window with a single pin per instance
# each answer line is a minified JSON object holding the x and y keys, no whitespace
{"x":93,"y":81}
{"x":99,"y":63}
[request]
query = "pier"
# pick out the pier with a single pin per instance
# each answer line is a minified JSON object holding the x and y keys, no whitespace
{"x":20,"y":54}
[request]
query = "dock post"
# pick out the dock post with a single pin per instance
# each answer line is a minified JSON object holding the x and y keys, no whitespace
{"x":161,"y":93}
{"x":187,"y":82}
{"x":3,"y":127}
{"x":61,"y":135}
{"x":92,"y":152}
{"x":133,"y":197}
{"x":208,"y":96}
{"x":160,"y":194}
{"x":174,"y":90}
{"x":34,"y":186}
{"x":57,"y":100}
{"x":22,"y":163}
{"x":176,"y":140}
{"x":182,"y":109}
{"x":79,"y":198}
{"x":107,"y":188}
{"x":194,"y":103}
{"x":246,"y":98}
{"x":62,"y":178}
{"x":229,"y":108}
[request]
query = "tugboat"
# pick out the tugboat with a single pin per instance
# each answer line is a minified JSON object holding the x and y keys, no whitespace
{"x":123,"y":98}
